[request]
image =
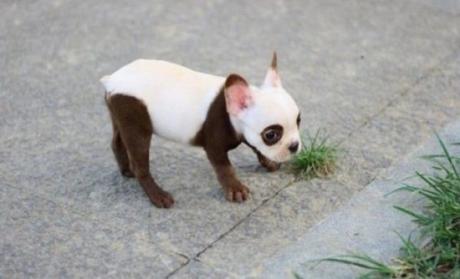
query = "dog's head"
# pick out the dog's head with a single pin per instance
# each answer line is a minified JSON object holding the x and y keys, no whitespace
{"x":267,"y":116}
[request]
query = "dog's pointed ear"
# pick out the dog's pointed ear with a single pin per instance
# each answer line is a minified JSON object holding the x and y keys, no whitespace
{"x":272,"y":78}
{"x":237,"y":94}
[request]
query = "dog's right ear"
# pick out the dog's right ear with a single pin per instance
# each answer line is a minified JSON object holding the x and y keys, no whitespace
{"x":272,"y":78}
{"x":237,"y":94}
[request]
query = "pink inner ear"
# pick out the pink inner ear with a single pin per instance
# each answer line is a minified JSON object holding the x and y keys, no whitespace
{"x":238,"y":98}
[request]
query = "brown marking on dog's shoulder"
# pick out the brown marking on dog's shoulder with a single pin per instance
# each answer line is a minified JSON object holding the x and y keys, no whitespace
{"x":217,"y":127}
{"x":131,"y":144}
{"x":217,"y":136}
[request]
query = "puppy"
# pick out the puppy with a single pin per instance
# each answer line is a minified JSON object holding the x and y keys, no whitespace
{"x":149,"y":97}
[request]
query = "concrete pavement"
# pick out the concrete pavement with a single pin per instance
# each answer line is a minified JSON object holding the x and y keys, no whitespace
{"x":379,"y":76}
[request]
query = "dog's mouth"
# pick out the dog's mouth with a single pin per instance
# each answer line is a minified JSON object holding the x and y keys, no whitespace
{"x":253,"y":148}
{"x":275,"y":160}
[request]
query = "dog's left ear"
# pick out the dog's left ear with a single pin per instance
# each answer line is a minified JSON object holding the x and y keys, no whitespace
{"x":272,"y":78}
{"x":238,"y":96}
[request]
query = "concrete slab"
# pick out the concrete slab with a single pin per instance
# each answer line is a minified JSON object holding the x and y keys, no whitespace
{"x":404,"y":124}
{"x":280,"y":221}
{"x":42,"y":239}
{"x":448,"y":6}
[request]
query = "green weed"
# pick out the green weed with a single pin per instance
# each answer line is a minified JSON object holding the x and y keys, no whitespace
{"x":316,"y":159}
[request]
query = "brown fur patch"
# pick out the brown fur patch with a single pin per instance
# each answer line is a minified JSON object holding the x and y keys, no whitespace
{"x":217,"y":136}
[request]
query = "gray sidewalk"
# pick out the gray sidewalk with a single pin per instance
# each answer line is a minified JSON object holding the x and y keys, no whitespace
{"x":380,"y":76}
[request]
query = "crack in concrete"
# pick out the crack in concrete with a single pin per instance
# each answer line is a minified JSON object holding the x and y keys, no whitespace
{"x":244,"y":219}
{"x":177,"y":269}
{"x":210,"y":245}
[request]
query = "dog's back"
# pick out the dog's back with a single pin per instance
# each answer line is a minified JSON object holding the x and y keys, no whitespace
{"x":176,"y":97}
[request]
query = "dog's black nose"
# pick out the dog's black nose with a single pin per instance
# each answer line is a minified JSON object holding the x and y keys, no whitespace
{"x":294,"y":146}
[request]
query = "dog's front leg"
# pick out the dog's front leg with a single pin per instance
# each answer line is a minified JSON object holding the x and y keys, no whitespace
{"x":234,"y":190}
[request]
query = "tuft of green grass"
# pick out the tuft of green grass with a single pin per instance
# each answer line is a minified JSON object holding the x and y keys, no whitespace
{"x":439,"y":224}
{"x":316,"y":159}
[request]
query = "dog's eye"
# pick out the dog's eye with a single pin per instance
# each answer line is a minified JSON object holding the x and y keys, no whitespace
{"x":272,"y":134}
{"x":298,"y":120}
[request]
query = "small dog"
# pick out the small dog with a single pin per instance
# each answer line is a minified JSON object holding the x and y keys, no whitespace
{"x":149,"y":97}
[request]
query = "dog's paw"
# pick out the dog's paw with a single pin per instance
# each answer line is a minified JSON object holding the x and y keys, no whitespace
{"x":162,"y":199}
{"x":237,"y":193}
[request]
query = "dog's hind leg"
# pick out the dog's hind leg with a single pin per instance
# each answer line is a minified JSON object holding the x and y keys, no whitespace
{"x":118,"y":147}
{"x":135,"y":131}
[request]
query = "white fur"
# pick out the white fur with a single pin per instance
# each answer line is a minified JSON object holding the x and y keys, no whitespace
{"x":178,"y":100}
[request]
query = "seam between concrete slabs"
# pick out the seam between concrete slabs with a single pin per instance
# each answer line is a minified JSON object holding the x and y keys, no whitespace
{"x":196,"y":257}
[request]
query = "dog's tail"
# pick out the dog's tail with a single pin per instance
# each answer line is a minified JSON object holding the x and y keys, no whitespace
{"x":104,"y":80}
